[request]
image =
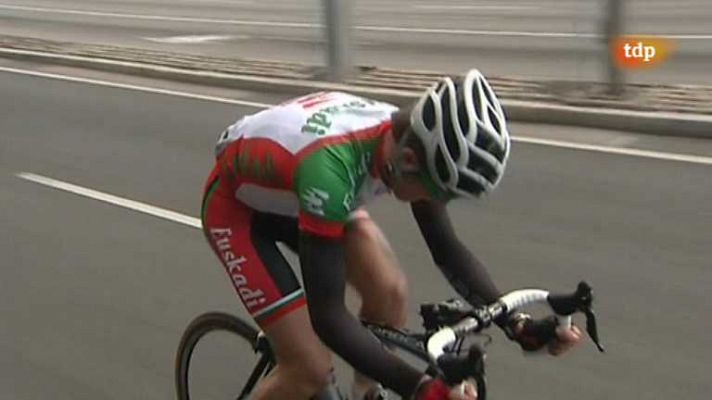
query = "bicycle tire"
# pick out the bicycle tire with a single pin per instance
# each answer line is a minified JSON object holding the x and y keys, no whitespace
{"x":199,"y":327}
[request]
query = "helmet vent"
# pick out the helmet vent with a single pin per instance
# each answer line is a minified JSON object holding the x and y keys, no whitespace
{"x":497,"y":151}
{"x":494,"y":120}
{"x":488,"y":93}
{"x":448,"y":132}
{"x":463,"y":120}
{"x":480,"y":166}
{"x":441,"y":168}
{"x":476,"y":101}
{"x":490,"y":145}
{"x":429,"y":114}
{"x":483,"y":140}
{"x":469,"y":185}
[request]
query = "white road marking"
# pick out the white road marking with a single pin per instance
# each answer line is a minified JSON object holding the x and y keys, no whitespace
{"x":618,"y":150}
{"x":136,"y":87}
{"x":161,"y":17}
{"x":524,"y":139}
{"x":469,"y":32}
{"x":190,"y":39}
{"x":370,"y":28}
{"x":111,"y":199}
{"x":474,"y":7}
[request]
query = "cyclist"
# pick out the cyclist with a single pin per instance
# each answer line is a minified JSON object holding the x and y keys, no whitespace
{"x":301,"y":172}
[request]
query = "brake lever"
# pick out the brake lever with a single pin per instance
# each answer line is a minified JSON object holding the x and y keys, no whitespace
{"x":592,"y":329}
{"x":585,"y":294}
{"x":458,"y":368}
{"x":582,"y":301}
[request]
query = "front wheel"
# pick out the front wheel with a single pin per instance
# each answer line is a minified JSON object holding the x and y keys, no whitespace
{"x":200,"y":327}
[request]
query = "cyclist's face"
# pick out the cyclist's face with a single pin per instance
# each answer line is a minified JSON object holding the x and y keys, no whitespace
{"x":409,"y":188}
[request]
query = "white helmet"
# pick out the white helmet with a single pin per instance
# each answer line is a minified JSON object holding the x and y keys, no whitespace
{"x":464,"y":132}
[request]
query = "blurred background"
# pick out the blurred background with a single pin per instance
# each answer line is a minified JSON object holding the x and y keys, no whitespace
{"x":561,"y":39}
{"x":94,"y":296}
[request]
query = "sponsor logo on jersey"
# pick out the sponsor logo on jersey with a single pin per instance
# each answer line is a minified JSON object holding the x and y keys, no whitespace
{"x":262,"y":170}
{"x":314,"y":200}
{"x":319,"y":122}
{"x":348,"y":202}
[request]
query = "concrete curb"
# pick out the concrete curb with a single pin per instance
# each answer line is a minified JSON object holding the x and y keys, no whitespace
{"x":248,"y":82}
{"x":658,"y":123}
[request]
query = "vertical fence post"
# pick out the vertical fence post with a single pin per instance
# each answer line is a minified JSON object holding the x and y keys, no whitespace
{"x":613,"y":29}
{"x":337,"y":14}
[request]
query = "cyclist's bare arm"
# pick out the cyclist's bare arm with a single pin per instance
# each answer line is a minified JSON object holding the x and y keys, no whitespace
{"x":467,"y":275}
{"x":323,"y":271}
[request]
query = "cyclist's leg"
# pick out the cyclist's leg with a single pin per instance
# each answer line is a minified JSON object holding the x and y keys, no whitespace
{"x":303,"y":363}
{"x":269,"y":290}
{"x":294,"y":327}
{"x":373,"y":270}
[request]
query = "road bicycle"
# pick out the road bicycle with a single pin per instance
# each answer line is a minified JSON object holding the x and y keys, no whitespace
{"x":446,"y":326}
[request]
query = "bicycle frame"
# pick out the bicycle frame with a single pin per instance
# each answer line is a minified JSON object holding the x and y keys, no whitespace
{"x":263,"y":367}
{"x":415,"y":344}
{"x":266,"y":363}
{"x":412,"y":343}
{"x":445,"y":324}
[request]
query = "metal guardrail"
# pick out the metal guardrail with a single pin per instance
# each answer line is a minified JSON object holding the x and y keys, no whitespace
{"x":613,"y":28}
{"x":338,"y":14}
{"x":338,"y":25}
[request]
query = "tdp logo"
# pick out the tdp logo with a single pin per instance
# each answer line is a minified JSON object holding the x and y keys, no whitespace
{"x":638,"y":52}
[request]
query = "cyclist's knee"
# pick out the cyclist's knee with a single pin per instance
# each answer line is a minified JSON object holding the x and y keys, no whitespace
{"x":398,"y":291}
{"x":390,"y":293}
{"x":362,"y":227}
{"x":364,"y":235}
{"x":375,"y":272}
{"x":302,"y":359}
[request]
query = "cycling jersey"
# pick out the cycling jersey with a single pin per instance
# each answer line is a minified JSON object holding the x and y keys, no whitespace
{"x":307,"y":165}
{"x":313,"y":158}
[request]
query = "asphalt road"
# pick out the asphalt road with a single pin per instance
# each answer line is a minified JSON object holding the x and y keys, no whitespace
{"x":94,"y":297}
{"x":548,"y":39}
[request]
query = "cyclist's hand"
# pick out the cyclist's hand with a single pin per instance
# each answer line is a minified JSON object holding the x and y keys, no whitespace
{"x":436,"y":389}
{"x":533,"y":335}
{"x":566,"y":339}
{"x":463,"y":391}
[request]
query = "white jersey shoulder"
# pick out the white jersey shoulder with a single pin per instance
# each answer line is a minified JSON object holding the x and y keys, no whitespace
{"x":301,"y":121}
